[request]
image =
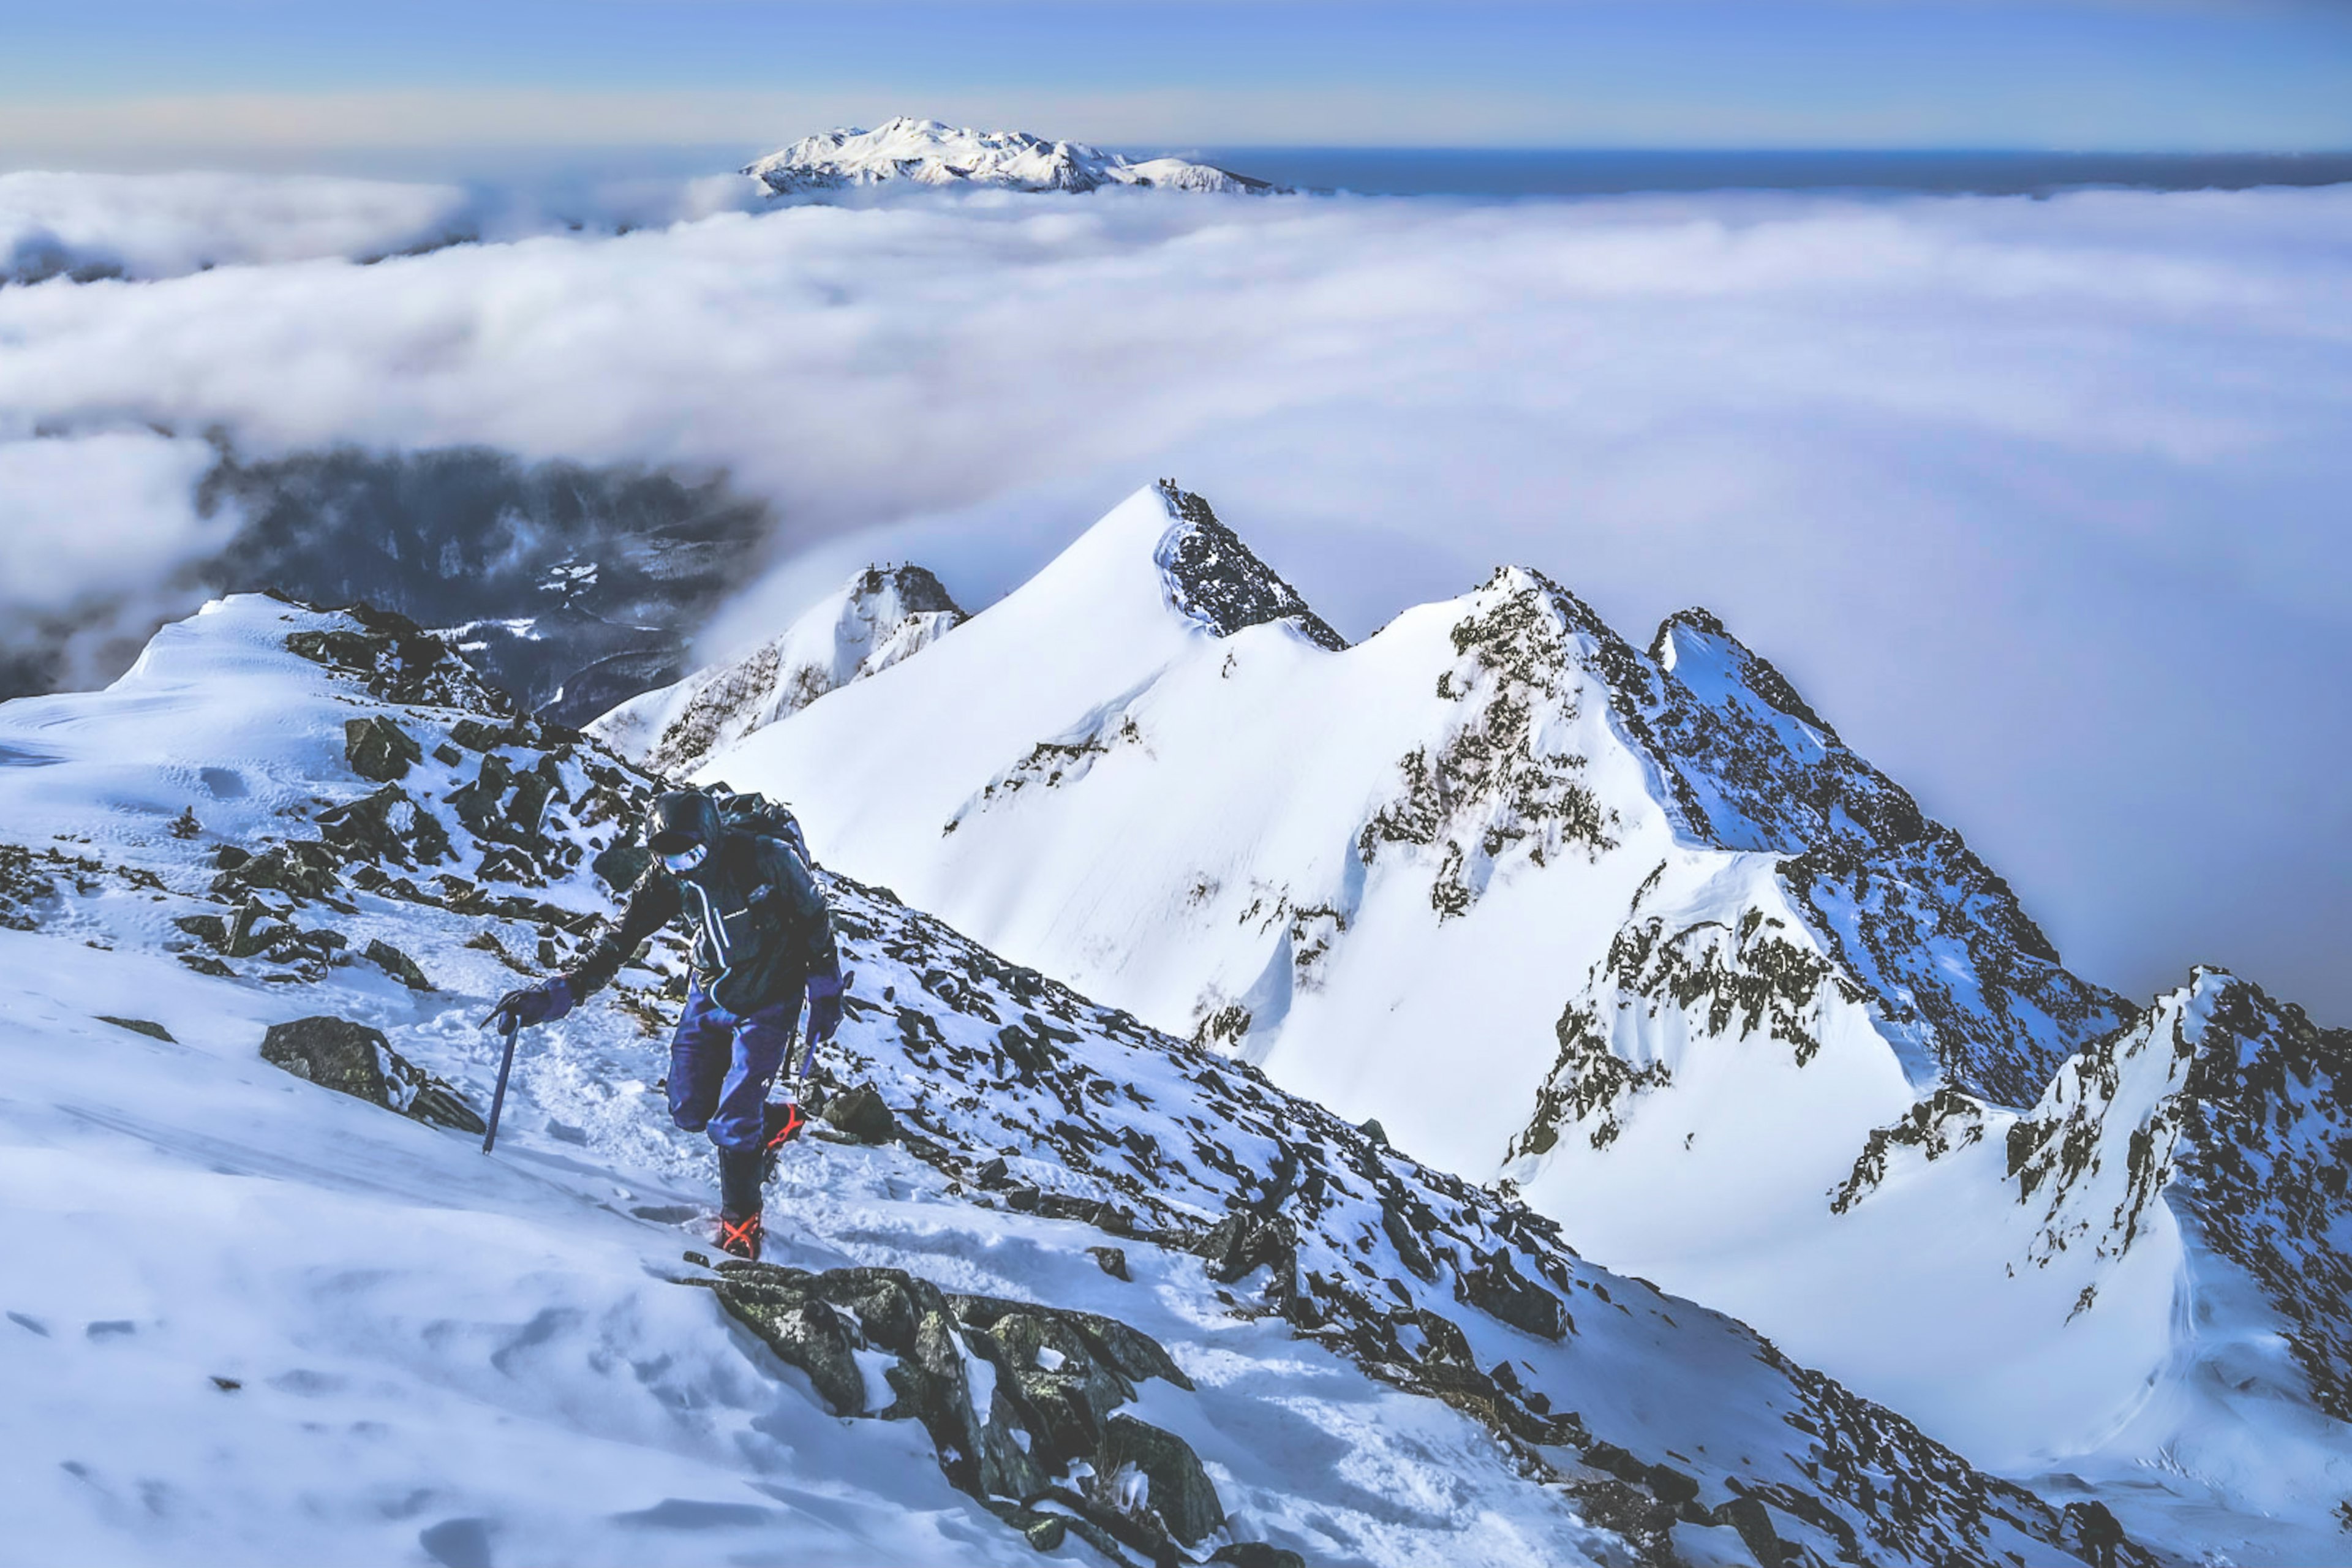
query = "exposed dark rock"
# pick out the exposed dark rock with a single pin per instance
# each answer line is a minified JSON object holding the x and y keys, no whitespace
{"x":378,"y":749}
{"x":389,"y":825}
{"x":1754,"y":1522}
{"x":333,"y":1053}
{"x":300,"y":867}
{"x":354,"y":1059}
{"x":1241,"y":1243}
{"x":1501,"y":1290}
{"x":860,"y":1113}
{"x":1256,"y":1554}
{"x":153,"y":1031}
{"x":805,"y":1332}
{"x":1212,"y":577}
{"x":1113,"y":1260}
{"x":397,"y":964}
{"x":1179,"y":1490}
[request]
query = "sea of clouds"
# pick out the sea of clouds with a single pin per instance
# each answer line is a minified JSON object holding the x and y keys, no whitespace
{"x":2041,"y":502}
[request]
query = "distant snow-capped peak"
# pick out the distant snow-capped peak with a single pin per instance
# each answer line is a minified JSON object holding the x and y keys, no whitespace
{"x":930,"y":153}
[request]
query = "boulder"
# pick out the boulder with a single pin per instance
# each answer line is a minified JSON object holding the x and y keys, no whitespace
{"x":805,"y":1332}
{"x":378,"y":749}
{"x":1502,"y":1292}
{"x":354,"y":1059}
{"x":1178,"y":1488}
{"x":333,"y":1053}
{"x":397,"y":964}
{"x":1241,"y":1242}
{"x":862,"y":1115}
{"x":1257,"y":1554}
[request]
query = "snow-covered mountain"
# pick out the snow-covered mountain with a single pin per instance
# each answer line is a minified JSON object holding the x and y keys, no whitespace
{"x":1633,"y":933}
{"x":925,"y":151}
{"x":879,"y":616}
{"x":1049,"y":1279}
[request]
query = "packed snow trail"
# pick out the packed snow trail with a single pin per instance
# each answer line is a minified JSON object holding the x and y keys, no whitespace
{"x":254,"y":1317}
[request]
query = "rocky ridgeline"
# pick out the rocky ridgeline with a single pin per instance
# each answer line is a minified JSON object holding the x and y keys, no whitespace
{"x":1032,"y":1098}
{"x":1027,"y":1097}
{"x":2236,"y":1109}
{"x":1932,"y":935}
{"x":1211,"y":576}
{"x":478,"y":806}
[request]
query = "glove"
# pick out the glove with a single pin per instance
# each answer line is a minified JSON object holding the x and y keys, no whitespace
{"x":825,"y":1006}
{"x":541,"y":1004}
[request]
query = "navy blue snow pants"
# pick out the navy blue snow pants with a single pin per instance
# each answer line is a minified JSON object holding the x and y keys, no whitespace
{"x":721,"y":1063}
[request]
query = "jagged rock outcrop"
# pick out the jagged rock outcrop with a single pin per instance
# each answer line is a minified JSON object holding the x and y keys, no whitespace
{"x":1039,"y":1437}
{"x":1216,"y":581}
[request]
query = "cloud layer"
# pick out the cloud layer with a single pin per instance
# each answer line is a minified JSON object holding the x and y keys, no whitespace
{"x":2040,"y":501}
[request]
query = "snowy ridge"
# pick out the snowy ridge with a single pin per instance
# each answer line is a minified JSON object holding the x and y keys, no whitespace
{"x":879,"y":616}
{"x":924,"y":151}
{"x":277,"y":1257}
{"x":1632,"y":931}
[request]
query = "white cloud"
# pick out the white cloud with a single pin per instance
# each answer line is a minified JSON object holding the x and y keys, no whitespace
{"x":99,"y":513}
{"x":2041,"y":502}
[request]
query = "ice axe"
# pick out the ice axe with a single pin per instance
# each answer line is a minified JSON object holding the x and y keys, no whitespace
{"x":499,"y":1098}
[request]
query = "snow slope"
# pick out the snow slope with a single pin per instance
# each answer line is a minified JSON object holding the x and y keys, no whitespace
{"x":881,"y":616}
{"x":250,"y":1318}
{"x":925,"y":151}
{"x":1632,"y":930}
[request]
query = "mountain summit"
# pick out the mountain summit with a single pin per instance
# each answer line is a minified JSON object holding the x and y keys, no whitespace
{"x":927,"y":153}
{"x":1630,"y":931}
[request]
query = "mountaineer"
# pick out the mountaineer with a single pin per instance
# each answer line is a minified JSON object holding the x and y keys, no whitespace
{"x":761,"y":937}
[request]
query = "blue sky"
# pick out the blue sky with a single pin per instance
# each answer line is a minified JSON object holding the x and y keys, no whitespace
{"x":84,"y":84}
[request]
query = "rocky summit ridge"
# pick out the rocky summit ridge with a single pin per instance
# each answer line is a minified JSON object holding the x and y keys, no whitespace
{"x":1630,"y":931}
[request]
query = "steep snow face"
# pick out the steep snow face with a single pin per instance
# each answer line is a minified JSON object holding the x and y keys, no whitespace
{"x":1342,"y":862}
{"x":925,"y":151}
{"x":881,"y":616}
{"x":1634,"y":932}
{"x":254,"y":1317}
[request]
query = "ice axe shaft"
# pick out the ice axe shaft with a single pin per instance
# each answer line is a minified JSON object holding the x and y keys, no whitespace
{"x":498,"y":1099}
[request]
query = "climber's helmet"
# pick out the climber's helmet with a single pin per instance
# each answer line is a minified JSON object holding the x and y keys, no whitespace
{"x":681,"y":828}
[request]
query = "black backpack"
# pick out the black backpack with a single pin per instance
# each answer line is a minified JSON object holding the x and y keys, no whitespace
{"x":751,"y":812}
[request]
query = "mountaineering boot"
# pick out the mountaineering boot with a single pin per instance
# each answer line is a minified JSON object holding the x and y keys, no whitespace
{"x":740,"y":1179}
{"x":740,"y":1237}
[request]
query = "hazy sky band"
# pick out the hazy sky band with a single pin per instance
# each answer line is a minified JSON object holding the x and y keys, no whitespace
{"x":215,"y":78}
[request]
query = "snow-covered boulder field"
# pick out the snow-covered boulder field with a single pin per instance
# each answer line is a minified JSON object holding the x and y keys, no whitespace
{"x":1629,"y":931}
{"x":1049,"y":1282}
{"x":925,"y":153}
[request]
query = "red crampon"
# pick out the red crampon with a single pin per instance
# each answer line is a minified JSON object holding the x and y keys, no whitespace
{"x":739,"y":1237}
{"x":784,"y":1121}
